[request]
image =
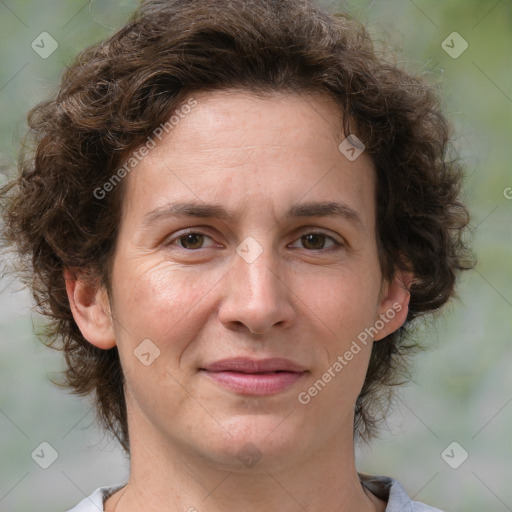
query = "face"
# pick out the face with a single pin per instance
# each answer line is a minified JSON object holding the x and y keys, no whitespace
{"x":246,"y":236}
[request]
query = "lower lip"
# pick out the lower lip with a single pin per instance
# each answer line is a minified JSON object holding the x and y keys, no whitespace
{"x":255,"y":383}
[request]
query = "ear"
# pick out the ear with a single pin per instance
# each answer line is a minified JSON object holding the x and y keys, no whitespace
{"x":91,"y":310}
{"x":393,"y":303}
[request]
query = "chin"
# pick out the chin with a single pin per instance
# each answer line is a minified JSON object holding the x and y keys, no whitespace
{"x":257,"y":443}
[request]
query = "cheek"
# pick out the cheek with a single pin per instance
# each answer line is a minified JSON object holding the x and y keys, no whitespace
{"x":168,"y":306}
{"x":161,"y":302}
{"x":342,"y":306}
{"x":345,"y":301}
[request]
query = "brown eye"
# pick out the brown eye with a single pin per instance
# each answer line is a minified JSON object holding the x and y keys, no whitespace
{"x":313,"y":241}
{"x":191,"y":240}
{"x":317,"y":242}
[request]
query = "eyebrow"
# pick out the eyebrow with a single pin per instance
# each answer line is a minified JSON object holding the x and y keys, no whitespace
{"x":217,"y":211}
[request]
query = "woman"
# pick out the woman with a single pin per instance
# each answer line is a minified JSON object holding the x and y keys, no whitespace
{"x":234,"y":211}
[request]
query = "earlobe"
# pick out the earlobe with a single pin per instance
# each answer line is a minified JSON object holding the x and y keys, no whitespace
{"x":394,"y":303}
{"x":91,"y":310}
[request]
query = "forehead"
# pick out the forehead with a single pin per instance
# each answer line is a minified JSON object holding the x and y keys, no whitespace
{"x":238,"y":147}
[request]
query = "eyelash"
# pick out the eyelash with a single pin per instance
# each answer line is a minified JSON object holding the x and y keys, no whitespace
{"x":336,"y":245}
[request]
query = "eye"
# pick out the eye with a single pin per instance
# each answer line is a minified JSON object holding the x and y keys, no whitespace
{"x":195,"y":240}
{"x":317,"y":241}
{"x":192,"y":240}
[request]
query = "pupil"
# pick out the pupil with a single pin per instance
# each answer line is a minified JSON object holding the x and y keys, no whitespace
{"x":317,"y":241}
{"x":193,"y":239}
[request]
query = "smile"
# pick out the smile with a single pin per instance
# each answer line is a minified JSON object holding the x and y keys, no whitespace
{"x":262,"y":383}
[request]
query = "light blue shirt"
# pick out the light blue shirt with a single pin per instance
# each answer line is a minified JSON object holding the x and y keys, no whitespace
{"x":385,"y":488}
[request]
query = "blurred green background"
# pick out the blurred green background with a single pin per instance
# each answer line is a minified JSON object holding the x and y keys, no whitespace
{"x":461,"y":389}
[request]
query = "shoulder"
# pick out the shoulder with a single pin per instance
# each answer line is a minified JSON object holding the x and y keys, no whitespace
{"x":390,"y":490}
{"x":94,"y":502}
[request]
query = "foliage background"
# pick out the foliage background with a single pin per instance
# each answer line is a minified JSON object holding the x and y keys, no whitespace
{"x":461,"y":391}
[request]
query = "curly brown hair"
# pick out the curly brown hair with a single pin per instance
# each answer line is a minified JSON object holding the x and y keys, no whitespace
{"x":119,"y":91}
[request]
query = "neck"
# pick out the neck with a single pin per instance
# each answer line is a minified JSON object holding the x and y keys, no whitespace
{"x":169,"y":477}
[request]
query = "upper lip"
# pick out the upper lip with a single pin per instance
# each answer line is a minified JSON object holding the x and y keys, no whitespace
{"x":248,"y":365}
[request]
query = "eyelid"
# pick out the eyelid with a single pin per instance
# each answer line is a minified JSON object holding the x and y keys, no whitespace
{"x":316,"y":231}
{"x":179,"y":234}
{"x":305,"y":231}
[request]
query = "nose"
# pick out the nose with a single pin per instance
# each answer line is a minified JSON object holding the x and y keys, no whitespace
{"x":256,"y":298}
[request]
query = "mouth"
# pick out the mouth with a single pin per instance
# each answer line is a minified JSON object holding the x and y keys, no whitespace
{"x":255,"y":377}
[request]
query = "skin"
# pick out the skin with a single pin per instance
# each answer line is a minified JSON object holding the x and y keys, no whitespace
{"x":305,"y":299}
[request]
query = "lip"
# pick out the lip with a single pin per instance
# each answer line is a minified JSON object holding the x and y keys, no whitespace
{"x":248,"y":365}
{"x":255,"y":377}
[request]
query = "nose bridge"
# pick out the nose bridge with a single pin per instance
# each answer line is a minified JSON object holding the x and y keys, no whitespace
{"x":258,"y":278}
{"x":256,"y":296}
{"x":255,"y":270}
